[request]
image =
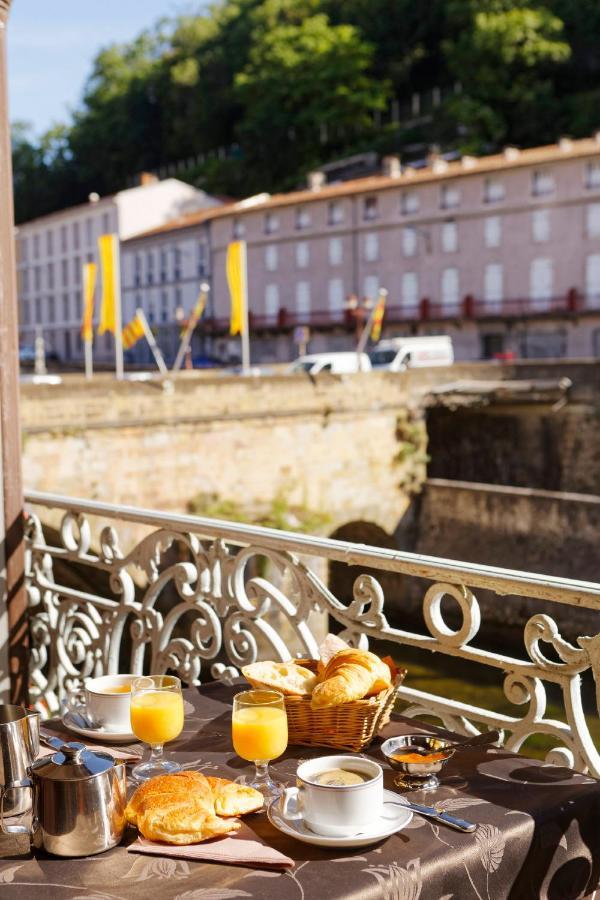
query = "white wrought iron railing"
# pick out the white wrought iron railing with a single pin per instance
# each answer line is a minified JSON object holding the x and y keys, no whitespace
{"x":204,"y":597}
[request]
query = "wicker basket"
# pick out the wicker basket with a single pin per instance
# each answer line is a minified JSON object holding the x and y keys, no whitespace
{"x":350,"y":726}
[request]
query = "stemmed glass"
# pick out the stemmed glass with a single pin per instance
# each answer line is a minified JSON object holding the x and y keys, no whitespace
{"x":156,"y":717}
{"x":259,"y":730}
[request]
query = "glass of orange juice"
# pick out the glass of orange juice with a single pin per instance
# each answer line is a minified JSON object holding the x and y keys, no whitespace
{"x":259,"y":730}
{"x":156,"y":717}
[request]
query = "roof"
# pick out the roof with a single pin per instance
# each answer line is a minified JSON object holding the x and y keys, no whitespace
{"x":438,"y":171}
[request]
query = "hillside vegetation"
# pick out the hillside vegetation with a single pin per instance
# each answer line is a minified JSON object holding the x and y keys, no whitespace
{"x":249,"y":95}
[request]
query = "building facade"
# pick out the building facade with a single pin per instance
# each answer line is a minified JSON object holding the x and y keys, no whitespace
{"x":51,"y":252}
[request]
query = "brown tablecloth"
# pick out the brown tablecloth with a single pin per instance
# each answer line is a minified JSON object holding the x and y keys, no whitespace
{"x":538,"y":836}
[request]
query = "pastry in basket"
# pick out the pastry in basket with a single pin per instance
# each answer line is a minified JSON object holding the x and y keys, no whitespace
{"x":288,"y":678}
{"x":186,"y":808}
{"x":351,"y":675}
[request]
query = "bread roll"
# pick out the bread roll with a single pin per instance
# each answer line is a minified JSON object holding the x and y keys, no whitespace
{"x":288,"y":678}
{"x":186,"y":807}
{"x":350,"y":675}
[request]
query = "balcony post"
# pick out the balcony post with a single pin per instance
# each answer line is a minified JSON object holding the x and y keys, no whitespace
{"x":14,"y":635}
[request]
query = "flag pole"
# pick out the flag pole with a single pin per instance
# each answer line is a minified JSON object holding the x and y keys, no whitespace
{"x":191,"y":325}
{"x":118,"y":313}
{"x":245,"y":331}
{"x":88,"y":356}
{"x":366,"y":332}
{"x":162,"y":368}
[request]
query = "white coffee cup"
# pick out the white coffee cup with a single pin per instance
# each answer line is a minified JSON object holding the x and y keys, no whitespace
{"x":335,"y":810}
{"x":109,"y":708}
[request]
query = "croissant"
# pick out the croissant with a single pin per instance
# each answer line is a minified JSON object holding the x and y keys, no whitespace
{"x":351,"y":675}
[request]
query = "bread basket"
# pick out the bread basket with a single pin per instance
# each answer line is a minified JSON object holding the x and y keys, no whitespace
{"x":349,"y":726}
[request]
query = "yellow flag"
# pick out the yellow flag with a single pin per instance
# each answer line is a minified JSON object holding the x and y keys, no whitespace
{"x":132,"y":333}
{"x":109,"y":261}
{"x":378,"y":317}
{"x":236,"y":279}
{"x":89,"y":289}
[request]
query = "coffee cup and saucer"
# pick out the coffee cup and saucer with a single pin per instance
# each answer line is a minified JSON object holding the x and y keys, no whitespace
{"x":339,"y":801}
{"x":101,"y":710}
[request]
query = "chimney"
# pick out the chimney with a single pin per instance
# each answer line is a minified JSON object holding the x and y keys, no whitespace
{"x":315,"y":180}
{"x":510,"y":153}
{"x":565,"y":144}
{"x":468,"y":162}
{"x":93,"y":197}
{"x":147,"y":178}
{"x":437,"y":163}
{"x":390,"y":167}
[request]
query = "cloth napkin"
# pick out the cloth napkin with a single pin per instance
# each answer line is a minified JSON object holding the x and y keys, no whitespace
{"x":126,"y":752}
{"x":244,"y":848}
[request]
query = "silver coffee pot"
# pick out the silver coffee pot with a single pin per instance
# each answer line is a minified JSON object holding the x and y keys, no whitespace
{"x":79,"y":799}
{"x":19,"y":746}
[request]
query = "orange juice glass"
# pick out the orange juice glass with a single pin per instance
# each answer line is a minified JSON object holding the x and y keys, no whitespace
{"x":259,"y":730}
{"x":156,"y":712}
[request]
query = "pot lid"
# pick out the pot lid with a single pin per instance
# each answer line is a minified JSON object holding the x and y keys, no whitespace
{"x":73,"y":762}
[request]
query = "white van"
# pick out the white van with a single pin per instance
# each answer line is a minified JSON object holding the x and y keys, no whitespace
{"x":336,"y":363}
{"x":401,"y":353}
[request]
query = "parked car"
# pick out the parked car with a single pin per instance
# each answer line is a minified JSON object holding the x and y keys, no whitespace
{"x":336,"y":363}
{"x":396,"y":354}
{"x":207,"y":362}
{"x":27,"y":355}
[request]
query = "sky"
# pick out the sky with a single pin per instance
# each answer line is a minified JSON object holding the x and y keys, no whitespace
{"x":51,"y":44}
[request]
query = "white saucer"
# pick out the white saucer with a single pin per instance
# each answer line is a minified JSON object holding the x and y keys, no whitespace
{"x":99,"y":734}
{"x":393,"y":818}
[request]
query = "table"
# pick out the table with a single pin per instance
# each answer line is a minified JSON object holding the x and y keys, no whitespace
{"x":539,"y":836}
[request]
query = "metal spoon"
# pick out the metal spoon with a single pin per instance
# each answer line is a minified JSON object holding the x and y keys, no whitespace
{"x":480,"y":740}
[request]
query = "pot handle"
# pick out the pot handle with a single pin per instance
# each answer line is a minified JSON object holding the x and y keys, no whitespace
{"x":23,"y":785}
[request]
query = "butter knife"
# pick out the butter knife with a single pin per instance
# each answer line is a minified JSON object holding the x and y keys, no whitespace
{"x":432,"y":813}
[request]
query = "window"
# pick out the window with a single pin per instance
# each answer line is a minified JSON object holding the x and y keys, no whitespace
{"x":409,"y":241}
{"x":302,"y":255}
{"x":449,"y":286}
{"x":303,"y":298}
{"x":271,"y":258}
{"x":336,"y":294}
{"x":38,"y":311}
{"x":66,"y":312}
{"x":449,"y":237}
{"x":24,"y":245}
{"x":25,"y":276}
{"x":164,"y":306}
{"x":239,"y":229}
{"x":50,"y":275}
{"x":492,"y":231}
{"x":105,"y":223}
{"x":371,"y":287}
{"x":449,"y":196}
{"x":371,"y":246}
{"x":177,"y":297}
{"x":370,"y":209}
{"x":541,"y":279}
{"x":493,"y":283}
{"x":592,"y":175}
{"x":78,"y":305}
{"x":409,"y":203}
{"x":137,"y":263}
{"x":51,"y":309}
{"x":540,"y":225}
{"x":177,"y":263}
{"x":150,"y":267}
{"x":336,"y":213}
{"x":89,"y":257}
{"x":493,"y":190}
{"x":410,"y":289}
{"x":37,"y":278}
{"x":302,"y":218}
{"x":202,"y":259}
{"x":77,"y":270}
{"x":89,"y":232}
{"x":163,"y":264}
{"x":63,"y":238}
{"x":36,"y":246}
{"x":592,"y":281}
{"x":50,"y":243}
{"x":26,"y":312}
{"x":75,"y":229}
{"x":542,"y":182}
{"x":593,"y":220}
{"x":336,"y":251}
{"x":272,"y":300}
{"x":64,"y":272}
{"x":271,"y":223}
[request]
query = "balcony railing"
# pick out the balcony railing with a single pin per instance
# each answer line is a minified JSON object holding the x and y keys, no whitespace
{"x":205,"y":597}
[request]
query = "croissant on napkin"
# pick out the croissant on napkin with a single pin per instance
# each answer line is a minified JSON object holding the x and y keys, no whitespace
{"x":187,"y":807}
{"x":351,"y":675}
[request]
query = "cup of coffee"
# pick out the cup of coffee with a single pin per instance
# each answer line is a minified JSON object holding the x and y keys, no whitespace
{"x":336,"y":796}
{"x":107,"y":701}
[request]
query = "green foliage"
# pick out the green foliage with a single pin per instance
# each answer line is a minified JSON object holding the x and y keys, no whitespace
{"x":280,"y":513}
{"x":295,"y":83}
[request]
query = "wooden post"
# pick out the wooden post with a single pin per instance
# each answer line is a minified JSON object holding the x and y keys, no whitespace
{"x":14,"y":633}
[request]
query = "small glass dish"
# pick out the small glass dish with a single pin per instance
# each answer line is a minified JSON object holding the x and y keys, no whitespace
{"x":407,"y":754}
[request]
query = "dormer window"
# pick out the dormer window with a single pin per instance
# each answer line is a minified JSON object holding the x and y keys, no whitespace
{"x":542,"y":183}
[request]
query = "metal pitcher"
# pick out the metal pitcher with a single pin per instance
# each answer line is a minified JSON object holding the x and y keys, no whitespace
{"x":79,"y":799}
{"x":19,"y":746}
